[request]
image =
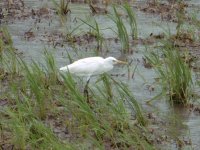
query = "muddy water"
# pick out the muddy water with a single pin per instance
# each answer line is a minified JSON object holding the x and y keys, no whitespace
{"x":179,"y":123}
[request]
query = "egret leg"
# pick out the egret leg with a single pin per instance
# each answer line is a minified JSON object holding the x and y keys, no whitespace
{"x":86,"y":93}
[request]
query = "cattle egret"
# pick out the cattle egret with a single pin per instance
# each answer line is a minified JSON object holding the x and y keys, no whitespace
{"x":91,"y":66}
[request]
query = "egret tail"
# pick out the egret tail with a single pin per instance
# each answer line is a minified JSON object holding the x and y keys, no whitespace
{"x":64,"y":69}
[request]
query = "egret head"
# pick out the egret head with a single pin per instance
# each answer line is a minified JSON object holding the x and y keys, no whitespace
{"x":114,"y":61}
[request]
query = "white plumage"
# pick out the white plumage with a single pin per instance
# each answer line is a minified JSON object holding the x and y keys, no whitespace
{"x":91,"y":66}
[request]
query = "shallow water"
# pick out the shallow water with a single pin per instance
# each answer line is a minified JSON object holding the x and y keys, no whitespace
{"x":182,"y":122}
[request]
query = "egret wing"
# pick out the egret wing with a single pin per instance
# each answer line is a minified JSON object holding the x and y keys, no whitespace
{"x":87,"y":66}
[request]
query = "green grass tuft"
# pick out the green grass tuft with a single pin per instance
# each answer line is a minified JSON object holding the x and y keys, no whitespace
{"x":174,"y":73}
{"x":121,"y":31}
{"x":132,"y":20}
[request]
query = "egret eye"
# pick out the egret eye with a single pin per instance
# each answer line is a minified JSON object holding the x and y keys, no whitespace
{"x":114,"y":61}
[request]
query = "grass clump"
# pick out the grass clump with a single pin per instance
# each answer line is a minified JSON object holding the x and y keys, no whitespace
{"x":27,"y":131}
{"x":108,"y":119}
{"x":5,"y":36}
{"x":8,"y":54}
{"x":97,"y":33}
{"x":62,"y":7}
{"x":35,"y":78}
{"x":132,"y":20}
{"x":121,"y":31}
{"x":121,"y":28}
{"x":174,"y":73}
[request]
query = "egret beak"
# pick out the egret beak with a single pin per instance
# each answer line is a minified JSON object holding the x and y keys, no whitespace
{"x":122,"y":62}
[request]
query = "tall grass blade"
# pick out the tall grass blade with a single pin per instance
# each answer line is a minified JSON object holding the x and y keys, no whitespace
{"x":132,"y":20}
{"x":122,"y":32}
{"x":97,"y":33}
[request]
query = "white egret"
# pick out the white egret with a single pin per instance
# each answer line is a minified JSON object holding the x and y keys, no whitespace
{"x":91,"y":66}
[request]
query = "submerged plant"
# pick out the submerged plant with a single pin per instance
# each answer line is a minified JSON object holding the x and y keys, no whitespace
{"x":174,"y":73}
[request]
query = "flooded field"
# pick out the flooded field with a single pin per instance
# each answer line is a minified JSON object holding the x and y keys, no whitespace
{"x":151,"y":103}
